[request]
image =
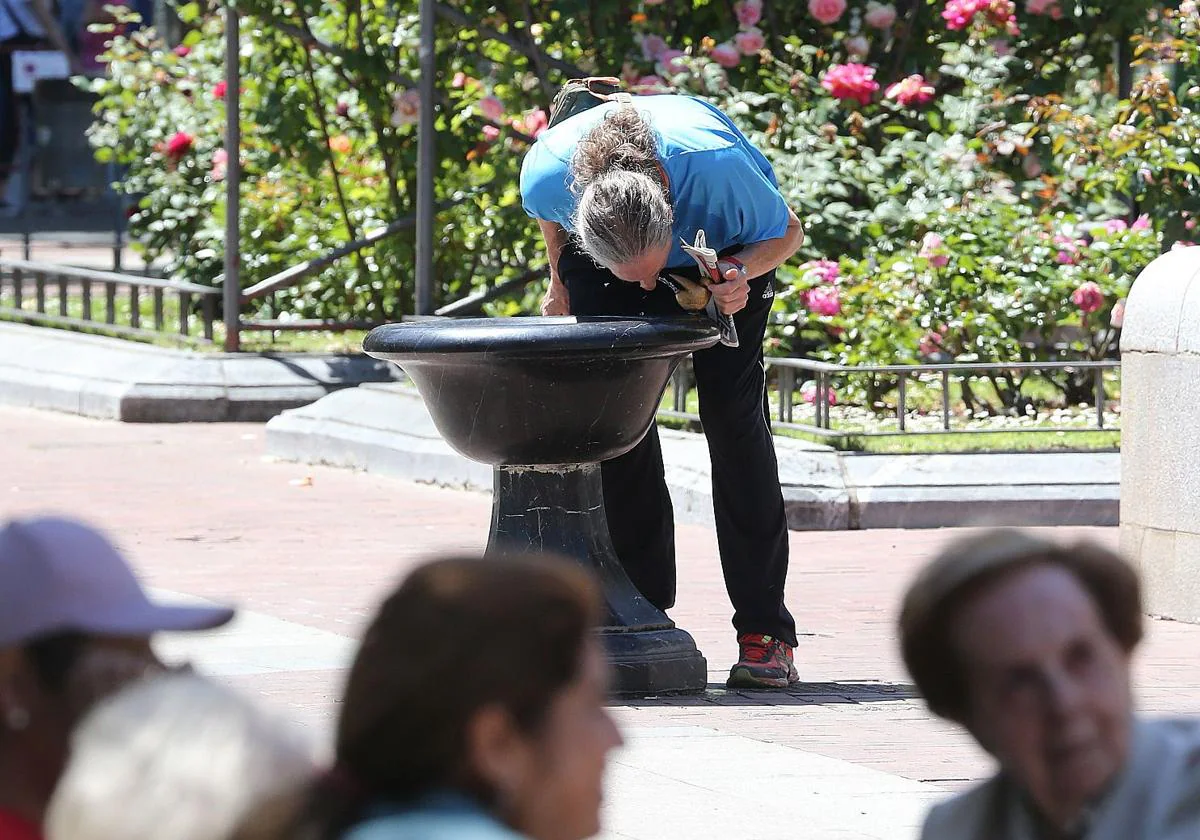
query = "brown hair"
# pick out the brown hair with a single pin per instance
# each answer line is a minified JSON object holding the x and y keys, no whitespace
{"x":622,"y":140}
{"x":623,"y":209}
{"x":459,"y":634}
{"x":968,"y":566}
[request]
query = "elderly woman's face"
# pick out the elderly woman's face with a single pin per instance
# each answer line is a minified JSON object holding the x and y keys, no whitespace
{"x":1048,"y":687}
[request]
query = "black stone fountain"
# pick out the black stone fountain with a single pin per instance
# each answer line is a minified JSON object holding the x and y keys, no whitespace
{"x":545,"y":400}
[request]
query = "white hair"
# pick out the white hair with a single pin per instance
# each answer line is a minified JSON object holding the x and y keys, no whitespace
{"x":621,"y":216}
{"x":176,"y":757}
{"x":623,"y":209}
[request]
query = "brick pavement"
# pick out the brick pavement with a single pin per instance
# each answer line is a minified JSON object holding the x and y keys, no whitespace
{"x":201,"y":511}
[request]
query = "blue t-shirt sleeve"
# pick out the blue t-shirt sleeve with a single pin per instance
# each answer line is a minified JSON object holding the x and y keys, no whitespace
{"x":741,"y":190}
{"x":545,"y":193}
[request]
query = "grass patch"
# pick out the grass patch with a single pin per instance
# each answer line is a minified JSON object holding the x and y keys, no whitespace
{"x":1073,"y":440}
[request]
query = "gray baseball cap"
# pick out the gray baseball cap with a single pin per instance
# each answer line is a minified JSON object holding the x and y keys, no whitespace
{"x":60,"y":575}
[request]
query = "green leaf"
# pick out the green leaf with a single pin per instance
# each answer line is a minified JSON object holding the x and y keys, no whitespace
{"x":188,"y":13}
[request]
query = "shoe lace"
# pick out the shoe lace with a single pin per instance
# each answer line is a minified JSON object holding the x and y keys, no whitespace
{"x":759,"y":648}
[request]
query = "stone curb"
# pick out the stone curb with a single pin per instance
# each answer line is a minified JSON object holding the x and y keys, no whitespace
{"x":116,"y":379}
{"x":386,"y":429}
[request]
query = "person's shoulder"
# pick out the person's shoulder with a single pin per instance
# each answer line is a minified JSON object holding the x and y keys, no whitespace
{"x":1174,"y":746}
{"x":963,"y":816}
{"x":687,"y":125}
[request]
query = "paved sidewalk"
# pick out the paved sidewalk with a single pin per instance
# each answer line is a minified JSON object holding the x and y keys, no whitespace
{"x":307,"y":552}
{"x":80,"y":250}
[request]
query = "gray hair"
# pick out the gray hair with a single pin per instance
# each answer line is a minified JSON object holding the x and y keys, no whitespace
{"x":623,"y":209}
{"x":176,"y":756}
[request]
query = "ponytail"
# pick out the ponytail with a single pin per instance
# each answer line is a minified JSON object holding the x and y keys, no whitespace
{"x":623,"y":209}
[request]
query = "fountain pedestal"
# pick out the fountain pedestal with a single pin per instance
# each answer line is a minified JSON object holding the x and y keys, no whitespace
{"x":545,"y":400}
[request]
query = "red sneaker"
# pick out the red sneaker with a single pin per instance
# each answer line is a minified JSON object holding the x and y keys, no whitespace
{"x":765,"y":662}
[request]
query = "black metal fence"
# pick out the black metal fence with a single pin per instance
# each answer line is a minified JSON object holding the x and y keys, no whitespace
{"x":789,"y":373}
{"x":106,"y":302}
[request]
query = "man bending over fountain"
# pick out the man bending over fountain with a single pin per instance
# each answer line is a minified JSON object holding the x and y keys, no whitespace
{"x":616,"y":190}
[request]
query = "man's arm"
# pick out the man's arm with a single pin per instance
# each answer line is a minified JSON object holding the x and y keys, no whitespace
{"x":556,"y":301}
{"x":758,"y":259}
{"x":761,"y":257}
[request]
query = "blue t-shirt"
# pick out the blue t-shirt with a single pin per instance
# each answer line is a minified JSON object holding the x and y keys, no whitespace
{"x":720,"y":183}
{"x":439,"y":816}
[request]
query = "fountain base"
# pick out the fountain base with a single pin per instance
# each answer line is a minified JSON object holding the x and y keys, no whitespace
{"x":560,"y":509}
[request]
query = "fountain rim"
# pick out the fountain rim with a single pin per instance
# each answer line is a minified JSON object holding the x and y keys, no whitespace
{"x":431,"y":341}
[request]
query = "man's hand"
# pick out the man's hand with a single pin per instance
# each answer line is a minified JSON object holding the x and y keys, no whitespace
{"x":733,"y":294}
{"x":556,"y":301}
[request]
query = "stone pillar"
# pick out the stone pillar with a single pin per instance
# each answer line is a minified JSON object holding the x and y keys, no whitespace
{"x":1160,"y":433}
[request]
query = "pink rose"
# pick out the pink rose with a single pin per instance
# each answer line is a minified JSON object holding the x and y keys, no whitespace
{"x":649,"y":84}
{"x":931,"y":343}
{"x":220,"y":163}
{"x":823,"y":300}
{"x":1142,"y":222}
{"x":536,"y":122}
{"x":827,"y":11}
{"x":880,"y":15}
{"x":911,"y":90}
{"x":491,"y":109}
{"x":1001,"y":47}
{"x":1190,"y":224}
{"x":459,"y":80}
{"x":959,"y":14}
{"x":751,"y":41}
{"x":1068,"y":250}
{"x":828,"y":271}
{"x":808,"y":393}
{"x":850,"y":81}
{"x":1088,"y":297}
{"x":406,"y":107}
{"x":858,"y":47}
{"x":1117,"y":317}
{"x":1116,"y":226}
{"x":182,"y":50}
{"x":652,"y":47}
{"x":491,"y":133}
{"x":748,"y":12}
{"x":932,"y":250}
{"x":179,"y":145}
{"x":671,"y":62}
{"x":726,"y":54}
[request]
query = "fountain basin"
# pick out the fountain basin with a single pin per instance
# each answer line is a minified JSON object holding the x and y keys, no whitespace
{"x":541,"y":391}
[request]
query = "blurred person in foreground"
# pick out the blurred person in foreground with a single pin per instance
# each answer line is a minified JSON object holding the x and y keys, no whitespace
{"x":75,"y":626}
{"x":1027,"y":644}
{"x":475,"y":710}
{"x":177,"y":756}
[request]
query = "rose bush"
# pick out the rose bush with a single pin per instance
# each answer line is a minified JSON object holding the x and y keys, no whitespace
{"x":950,"y":160}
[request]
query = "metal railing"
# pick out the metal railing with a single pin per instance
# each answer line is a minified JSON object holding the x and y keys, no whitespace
{"x":125,"y":305}
{"x":788,"y":371}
